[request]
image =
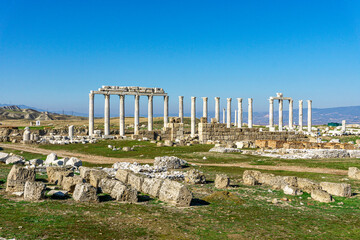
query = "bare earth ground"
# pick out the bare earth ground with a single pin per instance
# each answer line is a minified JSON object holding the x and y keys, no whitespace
{"x":109,"y":160}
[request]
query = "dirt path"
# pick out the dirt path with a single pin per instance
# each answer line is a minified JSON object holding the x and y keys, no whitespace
{"x":109,"y":160}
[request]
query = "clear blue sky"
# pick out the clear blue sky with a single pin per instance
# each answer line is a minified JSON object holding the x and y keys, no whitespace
{"x":52,"y":53}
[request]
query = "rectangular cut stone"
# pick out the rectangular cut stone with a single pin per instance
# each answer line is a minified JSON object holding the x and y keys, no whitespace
{"x":337,"y":189}
{"x":135,"y":181}
{"x":151,"y":186}
{"x":175,"y":193}
{"x":122,"y":175}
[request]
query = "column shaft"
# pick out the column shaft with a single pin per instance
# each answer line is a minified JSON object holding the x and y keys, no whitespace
{"x":271,"y":114}
{"x":205,"y":107}
{"x":107,"y":115}
{"x":91,"y":114}
{"x":250,"y":113}
{"x":224,"y":115}
{"x":228,"y":116}
{"x":122,"y":116}
{"x":300,"y":115}
{"x":181,"y":108}
{"x":280,"y":115}
{"x":136,"y":115}
{"x":236,"y":121}
{"x":193,"y":116}
{"x":166,"y":111}
{"x":240,"y":113}
{"x":291,"y":118}
{"x":150,"y":113}
{"x":217,"y":109}
{"x":309,"y":115}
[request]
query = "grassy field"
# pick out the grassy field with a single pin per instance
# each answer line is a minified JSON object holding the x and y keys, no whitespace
{"x":246,"y":213}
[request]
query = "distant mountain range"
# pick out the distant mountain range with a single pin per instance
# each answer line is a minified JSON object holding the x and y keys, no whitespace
{"x":319,"y":115}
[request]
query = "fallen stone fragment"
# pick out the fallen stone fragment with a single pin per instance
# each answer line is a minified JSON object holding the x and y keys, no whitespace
{"x":307,"y":185}
{"x":321,"y":196}
{"x":34,"y":191}
{"x":50,"y":159}
{"x":151,"y":186}
{"x":56,"y":174}
{"x":169,"y":162}
{"x":69,"y":183}
{"x":18,"y":194}
{"x":122,"y":175}
{"x":124,"y":193}
{"x":175,"y":193}
{"x":3,"y":156}
{"x":106,"y":185}
{"x":354,"y":173}
{"x":57,"y":194}
{"x":96,"y":176}
{"x":73,"y":161}
{"x":135,"y":181}
{"x":14,"y":160}
{"x":84,"y":192}
{"x":17,"y":178}
{"x":222,"y":181}
{"x":291,"y":190}
{"x":194,"y":176}
{"x":337,"y":189}
{"x":36,"y":162}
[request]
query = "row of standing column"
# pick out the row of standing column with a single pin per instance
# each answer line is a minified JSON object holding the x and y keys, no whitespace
{"x":291,"y":118}
{"x":122,"y":114}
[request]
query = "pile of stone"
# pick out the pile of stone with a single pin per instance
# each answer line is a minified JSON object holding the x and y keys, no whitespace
{"x":64,"y":140}
{"x":291,"y":185}
{"x":169,"y":162}
{"x":307,"y":153}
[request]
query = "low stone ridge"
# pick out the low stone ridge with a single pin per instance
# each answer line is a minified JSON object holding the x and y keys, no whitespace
{"x":85,"y":192}
{"x":169,"y":162}
{"x":17,"y":178}
{"x":34,"y":191}
{"x":222,"y":181}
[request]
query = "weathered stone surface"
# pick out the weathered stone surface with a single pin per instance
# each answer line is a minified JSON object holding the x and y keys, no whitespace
{"x":85,"y":172}
{"x":17,"y":178}
{"x":337,"y":189}
{"x":194,"y":176}
{"x":14,"y":160}
{"x":321,"y":196}
{"x":291,"y":190}
{"x":307,"y":185}
{"x":56,"y":174}
{"x":96,"y":176}
{"x":169,"y":162}
{"x":124,"y":193}
{"x":122,"y":175}
{"x":151,"y":186}
{"x":50,"y":159}
{"x":290,"y":181}
{"x":36,"y":162}
{"x":135,"y":181}
{"x":126,"y":149}
{"x":354,"y":173}
{"x":224,"y":150}
{"x":34,"y":191}
{"x":84,"y":192}
{"x":69,"y":183}
{"x":3,"y":156}
{"x":222,"y":181}
{"x":250,"y":180}
{"x":73,"y":161}
{"x":175,"y":193}
{"x":106,"y":185}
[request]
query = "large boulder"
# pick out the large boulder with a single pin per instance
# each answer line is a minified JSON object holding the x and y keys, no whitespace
{"x":169,"y":162}
{"x":354,"y":173}
{"x":122,"y":175}
{"x":151,"y":186}
{"x":337,"y":189}
{"x":69,"y":183}
{"x":17,"y":178}
{"x":307,"y":185}
{"x":34,"y":191}
{"x":84,"y":192}
{"x":50,"y":159}
{"x":106,"y":185}
{"x":124,"y":193}
{"x":194,"y":176}
{"x":321,"y":196}
{"x":56,"y":174}
{"x":175,"y":193}
{"x":135,"y":181}
{"x":96,"y":176}
{"x":222,"y":181}
{"x":73,"y":161}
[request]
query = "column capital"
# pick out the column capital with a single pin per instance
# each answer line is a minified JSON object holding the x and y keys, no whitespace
{"x":193,"y":98}
{"x":205,"y":98}
{"x":300,"y":101}
{"x":229,"y":99}
{"x":217,"y":98}
{"x":309,"y":101}
{"x":239,"y":99}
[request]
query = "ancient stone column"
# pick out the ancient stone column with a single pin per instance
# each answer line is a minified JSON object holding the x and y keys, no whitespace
{"x":250,"y":113}
{"x":136,"y":115}
{"x":343,"y":126}
{"x":291,"y":118}
{"x":205,"y":107}
{"x":166,"y":111}
{"x":122,"y":116}
{"x":236,"y":121}
{"x":271,"y":114}
{"x":91,"y":113}
{"x":217,"y":109}
{"x":150,"y":113}
{"x":309,"y":115}
{"x":193,"y":116}
{"x":240,"y":113}
{"x":71,"y":131}
{"x":228,"y":116}
{"x":26,"y":135}
{"x":224,"y":115}
{"x":181,"y":108}
{"x":281,"y":115}
{"x":107,"y":115}
{"x":300,"y":115}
